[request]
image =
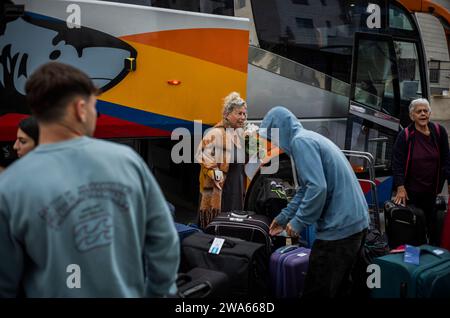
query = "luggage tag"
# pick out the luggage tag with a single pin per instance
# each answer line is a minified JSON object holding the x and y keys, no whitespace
{"x":412,"y":255}
{"x":216,"y":245}
{"x":400,"y":249}
{"x":288,"y":239}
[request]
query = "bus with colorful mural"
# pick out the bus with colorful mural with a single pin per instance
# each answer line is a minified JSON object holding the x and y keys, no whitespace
{"x":346,"y":68}
{"x":158,"y":69}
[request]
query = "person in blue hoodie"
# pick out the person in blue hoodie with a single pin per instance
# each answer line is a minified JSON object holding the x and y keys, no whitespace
{"x":329,"y":197}
{"x":81,"y":217}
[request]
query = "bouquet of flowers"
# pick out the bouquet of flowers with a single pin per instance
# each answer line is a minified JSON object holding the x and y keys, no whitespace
{"x":253,"y":146}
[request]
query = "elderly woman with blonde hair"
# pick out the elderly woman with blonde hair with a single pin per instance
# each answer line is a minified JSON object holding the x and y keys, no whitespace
{"x":420,"y":163}
{"x":221,"y":155}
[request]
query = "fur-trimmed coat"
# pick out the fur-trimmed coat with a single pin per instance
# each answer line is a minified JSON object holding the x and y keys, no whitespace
{"x":213,"y":153}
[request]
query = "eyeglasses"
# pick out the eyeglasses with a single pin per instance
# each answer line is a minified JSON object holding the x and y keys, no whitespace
{"x":426,"y":111}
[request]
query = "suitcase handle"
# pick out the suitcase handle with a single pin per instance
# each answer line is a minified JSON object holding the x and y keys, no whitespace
{"x":430,"y":250}
{"x":239,"y":216}
{"x":288,"y":249}
{"x":205,"y":288}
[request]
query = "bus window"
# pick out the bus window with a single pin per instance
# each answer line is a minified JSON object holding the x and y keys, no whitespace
{"x":375,"y":139}
{"x":374,"y":78}
{"x":373,"y":123}
{"x":220,"y":7}
{"x":398,"y":19}
{"x":314,"y":33}
{"x":409,"y":76}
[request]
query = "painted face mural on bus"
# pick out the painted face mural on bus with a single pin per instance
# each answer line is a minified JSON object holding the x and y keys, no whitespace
{"x":30,"y":41}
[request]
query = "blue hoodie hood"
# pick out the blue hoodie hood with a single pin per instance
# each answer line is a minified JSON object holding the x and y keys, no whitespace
{"x":281,"y":118}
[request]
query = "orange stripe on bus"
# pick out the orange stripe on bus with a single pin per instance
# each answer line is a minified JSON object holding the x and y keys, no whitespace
{"x":221,"y":46}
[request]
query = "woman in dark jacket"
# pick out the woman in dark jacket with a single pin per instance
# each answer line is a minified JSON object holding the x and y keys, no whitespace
{"x":421,"y":163}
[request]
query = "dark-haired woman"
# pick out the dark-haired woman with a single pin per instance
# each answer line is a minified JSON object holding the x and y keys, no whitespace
{"x":27,"y":136}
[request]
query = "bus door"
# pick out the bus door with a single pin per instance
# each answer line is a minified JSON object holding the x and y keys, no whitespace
{"x":373,"y":113}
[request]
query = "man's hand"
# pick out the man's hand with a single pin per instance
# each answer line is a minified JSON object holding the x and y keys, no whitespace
{"x":275,"y":228}
{"x":401,"y":196}
{"x":290,"y":231}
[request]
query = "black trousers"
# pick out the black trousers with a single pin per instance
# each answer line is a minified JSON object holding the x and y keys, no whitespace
{"x":330,"y":266}
{"x":427,"y":202}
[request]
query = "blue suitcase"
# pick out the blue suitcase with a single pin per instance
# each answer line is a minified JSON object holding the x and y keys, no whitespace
{"x":288,"y":267}
{"x":429,"y":279}
{"x":185,"y":230}
{"x":308,"y":235}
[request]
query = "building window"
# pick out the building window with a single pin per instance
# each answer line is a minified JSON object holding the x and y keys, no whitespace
{"x":304,"y":23}
{"x":434,"y":67}
{"x":434,"y":76}
{"x":304,"y":2}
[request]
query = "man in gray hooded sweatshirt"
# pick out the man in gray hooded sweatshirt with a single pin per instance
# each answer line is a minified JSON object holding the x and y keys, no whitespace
{"x":81,"y":217}
{"x":329,"y":197}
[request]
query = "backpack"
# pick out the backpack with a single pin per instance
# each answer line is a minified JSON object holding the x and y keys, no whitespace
{"x":274,"y":196}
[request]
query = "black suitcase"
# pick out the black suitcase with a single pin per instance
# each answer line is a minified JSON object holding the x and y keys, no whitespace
{"x":404,"y":225}
{"x":202,"y":283}
{"x":441,"y":203}
{"x":245,"y":225}
{"x":245,"y":263}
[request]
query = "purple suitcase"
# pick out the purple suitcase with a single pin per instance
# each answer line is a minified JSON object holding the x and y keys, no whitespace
{"x":276,"y":260}
{"x":295,"y":269}
{"x":288,"y":267}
